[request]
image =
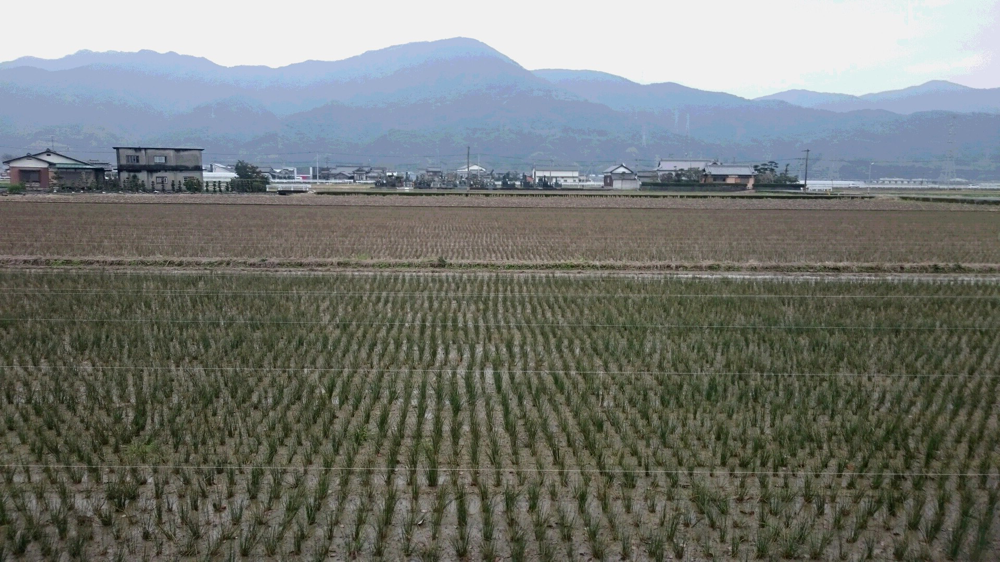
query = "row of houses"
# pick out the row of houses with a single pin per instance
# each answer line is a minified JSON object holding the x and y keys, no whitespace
{"x":351,"y":173}
{"x":157,"y":168}
{"x":623,"y":176}
{"x":162,"y":167}
{"x":681,"y":171}
{"x":337,"y":173}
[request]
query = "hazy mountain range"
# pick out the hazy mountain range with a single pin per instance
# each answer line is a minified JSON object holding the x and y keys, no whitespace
{"x":423,"y":103}
{"x":937,"y":95}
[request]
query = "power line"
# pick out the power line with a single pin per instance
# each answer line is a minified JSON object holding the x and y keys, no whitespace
{"x":465,"y":321}
{"x":484,"y":368}
{"x":721,"y":471}
{"x":187,"y":243}
{"x":374,"y":294}
{"x":925,"y":279}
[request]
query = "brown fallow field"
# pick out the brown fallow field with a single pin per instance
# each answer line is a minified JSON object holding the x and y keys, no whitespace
{"x":777,"y":235}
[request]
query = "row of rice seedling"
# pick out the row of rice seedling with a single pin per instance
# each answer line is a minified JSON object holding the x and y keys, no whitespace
{"x":496,"y":416}
{"x":500,"y":235}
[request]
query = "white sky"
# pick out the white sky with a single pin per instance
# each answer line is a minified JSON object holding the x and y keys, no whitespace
{"x":746,"y":48}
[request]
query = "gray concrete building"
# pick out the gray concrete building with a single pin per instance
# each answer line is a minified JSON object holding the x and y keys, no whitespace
{"x":159,"y":168}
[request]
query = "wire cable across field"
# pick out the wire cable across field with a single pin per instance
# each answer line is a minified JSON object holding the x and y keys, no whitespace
{"x":223,"y":321}
{"x":436,"y":294}
{"x":464,"y":369}
{"x":266,"y":415}
{"x":720,"y":471}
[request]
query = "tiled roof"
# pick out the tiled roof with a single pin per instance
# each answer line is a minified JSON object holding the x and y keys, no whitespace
{"x":723,"y":170}
{"x":78,"y":167}
{"x":46,"y":153}
{"x":674,"y":165}
{"x":626,"y":169}
{"x":155,"y":148}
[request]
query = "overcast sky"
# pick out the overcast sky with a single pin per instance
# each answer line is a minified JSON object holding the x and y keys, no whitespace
{"x":746,"y":48}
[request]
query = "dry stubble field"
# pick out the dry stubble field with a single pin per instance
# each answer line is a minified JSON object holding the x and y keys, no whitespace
{"x":485,"y":415}
{"x":696,"y":234}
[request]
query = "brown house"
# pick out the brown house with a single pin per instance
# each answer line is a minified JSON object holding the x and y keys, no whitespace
{"x":49,"y":169}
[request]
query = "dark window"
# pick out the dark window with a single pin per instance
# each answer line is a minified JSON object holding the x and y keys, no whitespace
{"x":30,"y":176}
{"x":132,"y":159}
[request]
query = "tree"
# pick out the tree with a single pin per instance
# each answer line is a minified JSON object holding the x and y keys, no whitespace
{"x":247,"y":171}
{"x":249,"y":179}
{"x":767,"y":173}
{"x":689,"y":175}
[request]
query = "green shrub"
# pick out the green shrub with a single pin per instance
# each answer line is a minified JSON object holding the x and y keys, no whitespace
{"x":192,"y":185}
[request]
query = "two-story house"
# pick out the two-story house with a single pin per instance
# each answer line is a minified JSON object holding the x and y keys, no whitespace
{"x":159,"y":168}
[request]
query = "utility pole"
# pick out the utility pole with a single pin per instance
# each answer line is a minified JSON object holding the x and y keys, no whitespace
{"x":805,"y":182}
{"x":468,"y":170}
{"x":948,"y":172}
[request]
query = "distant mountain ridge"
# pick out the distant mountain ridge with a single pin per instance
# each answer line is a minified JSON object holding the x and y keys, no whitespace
{"x":613,"y":90}
{"x":439,"y":97}
{"x":624,"y":95}
{"x":936,"y":95}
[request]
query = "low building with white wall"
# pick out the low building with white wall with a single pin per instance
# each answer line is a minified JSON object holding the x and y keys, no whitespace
{"x":553,"y":176}
{"x":620,"y":176}
{"x":475,"y":170}
{"x":218,"y":173}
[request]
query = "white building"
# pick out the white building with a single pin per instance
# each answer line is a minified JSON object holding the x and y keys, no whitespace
{"x":620,"y":176}
{"x":474,"y":170}
{"x":219,"y":172}
{"x":552,"y":176}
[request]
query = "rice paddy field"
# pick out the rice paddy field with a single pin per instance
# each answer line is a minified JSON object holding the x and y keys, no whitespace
{"x":696,"y":234}
{"x":177,"y":411}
